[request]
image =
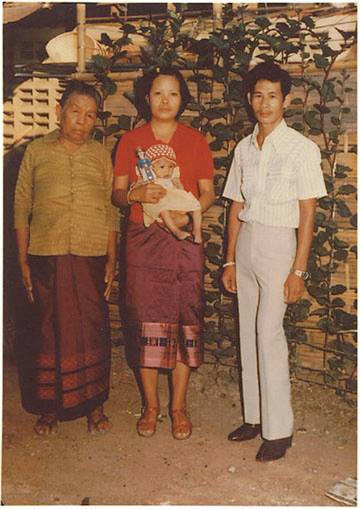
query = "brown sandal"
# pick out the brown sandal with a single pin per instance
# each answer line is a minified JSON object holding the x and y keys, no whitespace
{"x":46,"y":425}
{"x":98,"y":422}
{"x":181,"y":425}
{"x":146,"y":425}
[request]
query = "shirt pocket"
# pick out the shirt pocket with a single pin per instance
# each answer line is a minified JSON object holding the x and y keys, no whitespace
{"x":281,"y":186}
{"x":281,"y":190}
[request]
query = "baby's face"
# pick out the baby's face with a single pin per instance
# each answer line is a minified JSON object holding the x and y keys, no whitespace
{"x":163,"y":168}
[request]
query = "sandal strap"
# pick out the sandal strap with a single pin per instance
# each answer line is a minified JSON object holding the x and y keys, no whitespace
{"x":179,"y":412}
{"x":47,"y":420}
{"x":150,"y":409}
{"x":102,"y":419}
{"x":146,"y":425}
{"x":181,"y":424}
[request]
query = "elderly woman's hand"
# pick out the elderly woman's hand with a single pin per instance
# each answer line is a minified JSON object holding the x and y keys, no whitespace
{"x":27,"y":282}
{"x":148,"y":193}
{"x":109,"y":277}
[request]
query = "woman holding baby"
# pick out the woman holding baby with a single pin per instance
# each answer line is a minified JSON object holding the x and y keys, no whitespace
{"x":164,"y":288}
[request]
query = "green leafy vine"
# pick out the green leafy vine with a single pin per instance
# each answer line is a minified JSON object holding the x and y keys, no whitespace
{"x":215,"y":66}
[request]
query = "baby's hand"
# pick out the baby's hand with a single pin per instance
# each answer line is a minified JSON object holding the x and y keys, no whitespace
{"x":177,"y":183}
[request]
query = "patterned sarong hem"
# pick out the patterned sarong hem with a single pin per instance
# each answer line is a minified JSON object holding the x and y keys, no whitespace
{"x":161,"y":347}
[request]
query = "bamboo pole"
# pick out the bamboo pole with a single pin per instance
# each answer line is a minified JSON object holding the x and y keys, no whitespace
{"x":171,"y":7}
{"x":80,"y":13}
{"x":217,"y":14}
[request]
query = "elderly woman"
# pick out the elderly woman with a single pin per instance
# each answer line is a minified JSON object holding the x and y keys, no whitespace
{"x":66,"y":234}
{"x":164,"y":291}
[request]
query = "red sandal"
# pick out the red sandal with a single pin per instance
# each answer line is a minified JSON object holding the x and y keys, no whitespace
{"x":98,"y":422}
{"x":181,"y":425}
{"x":146,"y":425}
{"x":46,"y":425}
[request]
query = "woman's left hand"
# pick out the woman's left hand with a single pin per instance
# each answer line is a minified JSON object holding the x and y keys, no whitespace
{"x":109,"y":278}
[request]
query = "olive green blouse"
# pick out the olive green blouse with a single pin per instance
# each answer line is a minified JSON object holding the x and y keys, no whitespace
{"x":65,"y":198}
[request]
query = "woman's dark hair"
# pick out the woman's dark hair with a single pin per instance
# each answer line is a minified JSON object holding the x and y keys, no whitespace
{"x":143,"y":86}
{"x":81,"y":88}
{"x":268,"y":71}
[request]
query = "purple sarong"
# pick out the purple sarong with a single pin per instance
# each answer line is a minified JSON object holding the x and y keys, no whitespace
{"x":72,"y":361}
{"x":164,"y":297}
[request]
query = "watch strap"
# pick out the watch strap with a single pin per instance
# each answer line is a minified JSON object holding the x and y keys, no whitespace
{"x":300,"y":273}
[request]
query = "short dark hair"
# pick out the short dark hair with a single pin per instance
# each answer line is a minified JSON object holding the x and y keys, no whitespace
{"x":80,"y":88}
{"x":143,"y":86}
{"x":271,"y":72}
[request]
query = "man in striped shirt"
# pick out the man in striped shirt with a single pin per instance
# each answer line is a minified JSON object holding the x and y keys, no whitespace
{"x":274,"y":180}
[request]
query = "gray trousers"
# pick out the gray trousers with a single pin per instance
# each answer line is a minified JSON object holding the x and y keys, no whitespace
{"x":264,"y":256}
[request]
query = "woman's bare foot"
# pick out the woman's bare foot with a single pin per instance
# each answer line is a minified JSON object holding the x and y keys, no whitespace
{"x":181,"y":426}
{"x":146,"y":425}
{"x":98,"y":422}
{"x":46,"y":424}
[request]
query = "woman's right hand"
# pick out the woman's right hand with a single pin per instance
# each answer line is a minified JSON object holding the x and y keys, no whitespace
{"x":148,"y":193}
{"x":26,"y":278}
{"x":229,"y":279}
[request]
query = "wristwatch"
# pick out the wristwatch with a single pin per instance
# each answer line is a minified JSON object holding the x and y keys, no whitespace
{"x":301,"y":273}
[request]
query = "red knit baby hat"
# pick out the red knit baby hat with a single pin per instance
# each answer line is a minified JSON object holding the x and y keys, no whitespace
{"x":156,"y":152}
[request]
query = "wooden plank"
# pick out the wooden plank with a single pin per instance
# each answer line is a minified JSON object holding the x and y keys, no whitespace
{"x":310,"y":357}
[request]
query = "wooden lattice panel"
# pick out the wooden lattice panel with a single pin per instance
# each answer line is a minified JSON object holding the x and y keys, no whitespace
{"x":314,"y":359}
{"x":211,"y":217}
{"x":310,"y":357}
{"x":31,"y":111}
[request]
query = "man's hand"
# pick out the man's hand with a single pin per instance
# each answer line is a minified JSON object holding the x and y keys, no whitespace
{"x":229,"y":279}
{"x":148,"y":193}
{"x":293,"y":288}
{"x":26,"y":278}
{"x":109,"y":277}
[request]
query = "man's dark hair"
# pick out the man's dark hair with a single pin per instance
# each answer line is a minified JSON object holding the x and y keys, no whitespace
{"x":268,"y":71}
{"x":143,"y":86}
{"x":80,"y":88}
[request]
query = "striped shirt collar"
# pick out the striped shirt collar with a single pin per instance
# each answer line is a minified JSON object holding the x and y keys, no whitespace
{"x":278,"y":137}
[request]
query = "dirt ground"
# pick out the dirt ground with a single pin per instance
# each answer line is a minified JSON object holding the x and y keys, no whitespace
{"x":121,"y":468}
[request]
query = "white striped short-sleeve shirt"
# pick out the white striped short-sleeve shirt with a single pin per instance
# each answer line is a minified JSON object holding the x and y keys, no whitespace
{"x":271,"y":181}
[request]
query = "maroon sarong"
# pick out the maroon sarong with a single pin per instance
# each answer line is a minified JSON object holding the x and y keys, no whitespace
{"x":164,"y":297}
{"x":73,"y":357}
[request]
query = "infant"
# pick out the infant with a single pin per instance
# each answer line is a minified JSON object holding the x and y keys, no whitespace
{"x":167,"y":175}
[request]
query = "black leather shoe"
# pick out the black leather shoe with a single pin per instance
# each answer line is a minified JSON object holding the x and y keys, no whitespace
{"x":272,"y":450}
{"x":245,"y":432}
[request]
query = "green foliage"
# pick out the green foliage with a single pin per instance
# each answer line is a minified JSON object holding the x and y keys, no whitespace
{"x":318,"y":109}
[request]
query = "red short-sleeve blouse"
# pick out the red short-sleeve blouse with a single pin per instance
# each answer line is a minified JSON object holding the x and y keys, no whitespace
{"x":192,"y":154}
